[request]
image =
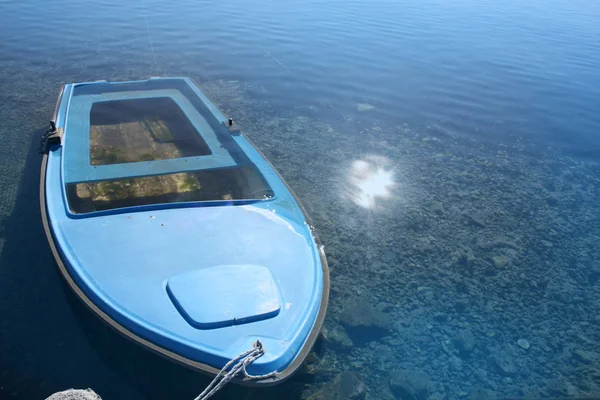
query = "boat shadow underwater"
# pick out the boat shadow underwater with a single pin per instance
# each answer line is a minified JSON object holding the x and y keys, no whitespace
{"x":43,"y":348}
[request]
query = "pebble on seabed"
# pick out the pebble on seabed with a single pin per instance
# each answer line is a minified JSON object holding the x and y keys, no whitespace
{"x":523,"y":343}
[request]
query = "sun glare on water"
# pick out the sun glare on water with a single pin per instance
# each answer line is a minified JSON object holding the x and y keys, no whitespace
{"x":370,"y":180}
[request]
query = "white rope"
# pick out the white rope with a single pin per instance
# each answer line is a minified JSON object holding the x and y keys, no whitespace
{"x":239,"y":366}
{"x":150,"y":41}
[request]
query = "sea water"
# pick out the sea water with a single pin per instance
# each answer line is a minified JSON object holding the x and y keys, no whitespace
{"x":447,"y":153}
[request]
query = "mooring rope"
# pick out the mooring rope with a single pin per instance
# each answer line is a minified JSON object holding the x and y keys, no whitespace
{"x":239,"y":366}
{"x":150,"y":41}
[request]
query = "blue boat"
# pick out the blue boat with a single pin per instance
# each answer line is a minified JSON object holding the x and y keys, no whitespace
{"x":176,"y":231}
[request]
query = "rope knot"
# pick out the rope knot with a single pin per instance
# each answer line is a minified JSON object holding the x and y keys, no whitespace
{"x":235,"y":367}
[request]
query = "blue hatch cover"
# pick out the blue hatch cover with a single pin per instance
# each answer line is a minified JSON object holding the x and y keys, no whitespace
{"x":225,"y":295}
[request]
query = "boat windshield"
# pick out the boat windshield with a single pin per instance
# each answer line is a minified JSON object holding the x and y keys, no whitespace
{"x":153,"y":142}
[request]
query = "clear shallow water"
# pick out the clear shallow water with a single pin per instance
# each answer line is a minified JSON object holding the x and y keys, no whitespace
{"x":447,"y":153}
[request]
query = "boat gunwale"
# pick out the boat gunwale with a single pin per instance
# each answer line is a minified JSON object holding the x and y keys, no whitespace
{"x":187,"y":362}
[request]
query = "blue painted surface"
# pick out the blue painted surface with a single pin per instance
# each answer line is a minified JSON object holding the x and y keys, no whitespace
{"x":222,"y":287}
{"x":123,"y":261}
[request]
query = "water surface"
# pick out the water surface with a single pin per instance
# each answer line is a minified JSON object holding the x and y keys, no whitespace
{"x":446,"y":151}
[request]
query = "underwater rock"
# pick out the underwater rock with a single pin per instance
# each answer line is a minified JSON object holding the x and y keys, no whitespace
{"x":345,"y":386}
{"x":585,"y":357}
{"x":523,"y":343}
{"x":362,"y":107}
{"x":436,"y":396}
{"x":559,"y":388}
{"x":455,"y":363}
{"x":506,"y":243}
{"x":594,"y":274}
{"x":504,"y":363}
{"x":384,"y":356}
{"x":440,"y":316}
{"x":474,"y":220}
{"x":363,"y":320}
{"x":409,"y":384}
{"x":461,"y":305}
{"x":350,"y":386}
{"x":426,"y":246}
{"x":384,"y":307}
{"x":483,"y":394}
{"x":437,"y":208}
{"x":499,"y":261}
{"x":552,"y":200}
{"x":465,"y":341}
{"x":489,"y":269}
{"x":339,"y":337}
{"x":447,"y":347}
{"x":311,"y":365}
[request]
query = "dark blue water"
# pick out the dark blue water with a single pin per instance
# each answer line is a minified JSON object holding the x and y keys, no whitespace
{"x":446,"y":151}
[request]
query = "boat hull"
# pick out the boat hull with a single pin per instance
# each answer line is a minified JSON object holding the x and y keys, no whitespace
{"x":155,"y":346}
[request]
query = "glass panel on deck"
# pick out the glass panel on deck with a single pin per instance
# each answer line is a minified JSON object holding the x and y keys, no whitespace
{"x":240,"y":183}
{"x":147,"y":129}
